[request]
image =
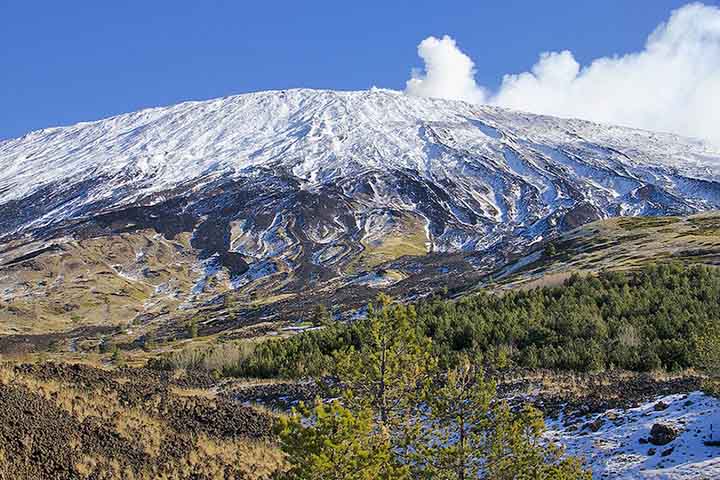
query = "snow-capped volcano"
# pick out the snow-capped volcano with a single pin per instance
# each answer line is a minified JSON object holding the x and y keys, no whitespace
{"x":461,"y":167}
{"x":305,"y":188}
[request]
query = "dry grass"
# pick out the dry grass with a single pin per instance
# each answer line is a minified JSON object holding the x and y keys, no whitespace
{"x":209,"y":457}
{"x":266,"y":300}
{"x":193,"y":392}
{"x":213,"y":357}
{"x":624,"y":243}
{"x":584,"y":384}
{"x":7,"y":374}
{"x":132,"y":424}
{"x":409,"y":238}
{"x":98,"y":281}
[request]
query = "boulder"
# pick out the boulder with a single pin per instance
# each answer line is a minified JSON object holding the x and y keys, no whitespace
{"x":662,"y":434}
{"x":595,"y":425}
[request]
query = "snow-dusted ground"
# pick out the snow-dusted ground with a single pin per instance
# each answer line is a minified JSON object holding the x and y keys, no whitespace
{"x":615,"y":450}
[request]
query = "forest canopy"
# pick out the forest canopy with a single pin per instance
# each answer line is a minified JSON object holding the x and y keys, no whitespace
{"x":641,"y":321}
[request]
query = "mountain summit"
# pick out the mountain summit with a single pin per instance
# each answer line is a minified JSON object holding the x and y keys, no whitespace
{"x":286,"y":191}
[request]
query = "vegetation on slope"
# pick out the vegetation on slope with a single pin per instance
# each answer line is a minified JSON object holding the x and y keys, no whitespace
{"x":623,"y":243}
{"x":640,"y":321}
{"x":397,"y":416}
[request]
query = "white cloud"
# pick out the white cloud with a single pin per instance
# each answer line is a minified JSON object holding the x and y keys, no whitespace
{"x":671,"y":85}
{"x":449,"y":73}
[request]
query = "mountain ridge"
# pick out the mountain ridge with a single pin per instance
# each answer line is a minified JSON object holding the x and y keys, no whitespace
{"x":276,"y":194}
{"x":136,"y":157}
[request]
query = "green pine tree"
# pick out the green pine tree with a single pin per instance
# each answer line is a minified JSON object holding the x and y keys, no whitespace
{"x":193,"y":328}
{"x":330,"y":442}
{"x":117,"y":357}
{"x":396,"y":414}
{"x":456,"y":423}
{"x":470,"y":435}
{"x":385,"y":374}
{"x":517,"y":451}
{"x":321,"y":315}
{"x":707,"y":356}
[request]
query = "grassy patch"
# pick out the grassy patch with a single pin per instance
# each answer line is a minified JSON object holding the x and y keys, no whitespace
{"x":705,"y":226}
{"x":410,"y":239}
{"x":635,"y":223}
{"x":272,"y":299}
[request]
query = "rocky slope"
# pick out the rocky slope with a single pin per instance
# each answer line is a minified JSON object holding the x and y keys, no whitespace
{"x":71,"y":421}
{"x":76,"y":421}
{"x":289,"y":197}
{"x":671,"y":437}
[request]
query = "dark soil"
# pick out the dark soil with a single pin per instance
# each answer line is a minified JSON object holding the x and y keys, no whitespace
{"x":572,"y":393}
{"x":36,"y":438}
{"x":575,"y":394}
{"x":39,"y":439}
{"x":21,"y":344}
{"x":278,"y":395}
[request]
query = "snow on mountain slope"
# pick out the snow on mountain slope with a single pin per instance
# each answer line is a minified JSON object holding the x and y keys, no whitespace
{"x":503,"y":166}
{"x":275,"y":193}
{"x":619,"y":447}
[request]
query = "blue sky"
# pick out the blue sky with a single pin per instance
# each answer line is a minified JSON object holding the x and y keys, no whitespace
{"x":63,"y":62}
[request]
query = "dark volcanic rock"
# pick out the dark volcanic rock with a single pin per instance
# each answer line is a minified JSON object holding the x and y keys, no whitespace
{"x":596,"y":424}
{"x":667,"y":452}
{"x":94,"y":424}
{"x":662,"y":434}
